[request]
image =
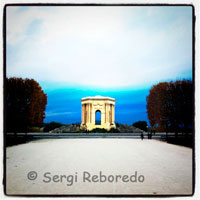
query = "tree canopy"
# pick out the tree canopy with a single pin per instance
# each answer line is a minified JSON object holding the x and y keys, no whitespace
{"x":25,"y":104}
{"x":141,"y":125}
{"x":52,"y":125}
{"x":170,"y":105}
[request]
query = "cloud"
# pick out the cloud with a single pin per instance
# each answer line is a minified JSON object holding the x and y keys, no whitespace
{"x":50,"y":114}
{"x":61,"y":22}
{"x":99,"y":46}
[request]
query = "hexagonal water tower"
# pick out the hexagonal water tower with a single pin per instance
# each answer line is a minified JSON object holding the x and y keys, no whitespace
{"x":92,"y":106}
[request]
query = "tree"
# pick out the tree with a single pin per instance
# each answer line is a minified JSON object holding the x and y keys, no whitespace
{"x":25,"y":104}
{"x":170,"y":105}
{"x":141,"y":125}
{"x":52,"y":125}
{"x":155,"y":104}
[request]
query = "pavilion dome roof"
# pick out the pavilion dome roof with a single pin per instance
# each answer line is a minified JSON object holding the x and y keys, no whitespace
{"x":98,"y":97}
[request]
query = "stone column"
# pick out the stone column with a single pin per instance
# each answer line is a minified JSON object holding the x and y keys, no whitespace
{"x":86,"y":113}
{"x":110,"y":113}
{"x":102,"y":116}
{"x":93,"y":116}
{"x":105,"y":112}
{"x":83,"y":113}
{"x":113,"y":113}
{"x":87,"y":108}
{"x":89,"y":113}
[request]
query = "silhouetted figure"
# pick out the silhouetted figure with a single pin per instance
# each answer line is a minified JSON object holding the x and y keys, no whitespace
{"x":150,"y":134}
{"x":166,"y":135}
{"x":142,"y":136}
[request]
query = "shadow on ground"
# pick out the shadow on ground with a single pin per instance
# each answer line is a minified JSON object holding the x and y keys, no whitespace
{"x":20,"y":138}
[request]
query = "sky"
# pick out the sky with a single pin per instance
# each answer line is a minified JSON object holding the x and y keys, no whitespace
{"x":117,"y":51}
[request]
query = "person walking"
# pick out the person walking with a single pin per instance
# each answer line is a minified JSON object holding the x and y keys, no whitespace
{"x":150,"y":135}
{"x":142,"y":136}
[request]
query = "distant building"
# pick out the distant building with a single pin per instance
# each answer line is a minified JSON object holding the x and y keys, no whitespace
{"x":94,"y":106}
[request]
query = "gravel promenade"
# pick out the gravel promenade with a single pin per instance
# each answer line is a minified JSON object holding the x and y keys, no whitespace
{"x":98,"y":166}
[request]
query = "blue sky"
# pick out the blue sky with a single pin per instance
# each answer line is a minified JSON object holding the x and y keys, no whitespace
{"x":113,"y":51}
{"x":64,"y":103}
